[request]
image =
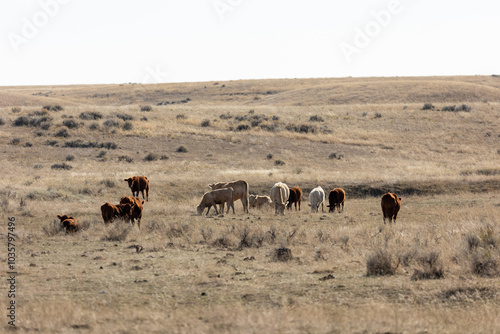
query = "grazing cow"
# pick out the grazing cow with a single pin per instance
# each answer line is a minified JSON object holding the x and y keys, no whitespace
{"x":214,"y":197}
{"x":139,"y":183}
{"x":137,"y":206}
{"x":295,"y":197}
{"x":258,"y":202}
{"x":109,"y":212}
{"x":317,"y":197}
{"x":279,"y":195}
{"x":69,"y":223}
{"x":336,"y":199}
{"x":391,"y":204}
{"x":240,"y":191}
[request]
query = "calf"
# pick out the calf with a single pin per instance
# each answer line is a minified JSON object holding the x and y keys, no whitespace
{"x":258,"y":202}
{"x":69,"y":223}
{"x":214,"y":197}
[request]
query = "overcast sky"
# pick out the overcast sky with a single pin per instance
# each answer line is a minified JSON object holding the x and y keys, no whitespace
{"x":47,"y":42}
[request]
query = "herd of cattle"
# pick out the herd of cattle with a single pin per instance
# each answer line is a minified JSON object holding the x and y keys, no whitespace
{"x":226,"y":193}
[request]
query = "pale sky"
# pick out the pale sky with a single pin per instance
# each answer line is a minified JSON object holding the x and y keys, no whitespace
{"x":48,"y":42}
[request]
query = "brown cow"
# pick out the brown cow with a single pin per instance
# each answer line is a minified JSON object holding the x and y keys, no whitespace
{"x":137,"y":206}
{"x":295,"y":197}
{"x":69,"y":223}
{"x":258,"y":202}
{"x":240,"y":191}
{"x":109,"y":211}
{"x":214,"y":197}
{"x":391,"y":204}
{"x":139,"y":183}
{"x":336,"y":198}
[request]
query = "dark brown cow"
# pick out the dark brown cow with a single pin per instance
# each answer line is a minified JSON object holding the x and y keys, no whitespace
{"x":139,"y":184}
{"x":69,"y":223}
{"x":391,"y":204}
{"x":137,"y":206}
{"x":336,"y":199}
{"x":110,"y":212}
{"x":295,"y":197}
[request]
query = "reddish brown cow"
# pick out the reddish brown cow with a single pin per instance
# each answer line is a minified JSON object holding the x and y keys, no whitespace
{"x":295,"y":197}
{"x":110,"y":212}
{"x":391,"y":204}
{"x":137,"y":206}
{"x":139,"y":184}
{"x":69,"y":223}
{"x":336,"y":199}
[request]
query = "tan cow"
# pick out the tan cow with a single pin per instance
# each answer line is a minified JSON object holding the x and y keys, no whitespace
{"x":240,"y":191}
{"x":279,"y":195}
{"x":258,"y":202}
{"x":214,"y":197}
{"x":391,"y":204}
{"x":336,"y":198}
{"x":69,"y":223}
{"x":109,"y":212}
{"x":139,"y":184}
{"x":137,"y":207}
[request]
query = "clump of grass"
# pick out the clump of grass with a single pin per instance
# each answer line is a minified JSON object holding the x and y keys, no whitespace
{"x":44,"y":122}
{"x":128,"y":126}
{"x":110,"y":123}
{"x":181,"y":116}
{"x":243,"y":127}
{"x":279,"y":163}
{"x":2,"y":122}
{"x":15,"y":141}
{"x":205,"y":123}
{"x":63,"y":166}
{"x":94,"y":126}
{"x":432,"y":268}
{"x":146,"y":108}
{"x":484,"y":250}
{"x":53,"y":228}
{"x":484,"y":262}
{"x":335,"y":155}
{"x":81,"y":144}
{"x":70,"y":157}
{"x":381,"y":263}
{"x":108,"y":183}
{"x":16,"y":110}
{"x":118,"y":231}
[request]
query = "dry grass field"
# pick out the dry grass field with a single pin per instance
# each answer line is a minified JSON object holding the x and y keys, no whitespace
{"x":67,"y":149}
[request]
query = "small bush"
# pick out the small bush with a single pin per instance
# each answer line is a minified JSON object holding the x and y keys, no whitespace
{"x":181,"y":149}
{"x":28,"y":144}
{"x":431,"y":267}
{"x":316,"y":118}
{"x":279,"y":163}
{"x":282,"y":254}
{"x":151,"y":157}
{"x":71,"y":124}
{"x":62,"y":133}
{"x":117,"y":231}
{"x":464,"y":107}
{"x":205,"y":123}
{"x":108,"y":183}
{"x":15,"y":141}
{"x":146,"y":108}
{"x":109,"y":123}
{"x":125,"y":158}
{"x":90,"y":115}
{"x":243,"y":127}
{"x":128,"y":126}
{"x":269,"y":156}
{"x":381,"y":263}
{"x":2,"y":122}
{"x":485,"y":263}
{"x":50,"y":107}
{"x":53,"y":228}
{"x":42,"y":122}
{"x":51,"y":142}
{"x":16,"y":110}
{"x":428,"y":106}
{"x":125,"y":117}
{"x":94,"y":126}
{"x":448,"y":108}
{"x":63,"y":166}
{"x":378,"y":115}
{"x":70,"y":157}
{"x":181,"y":116}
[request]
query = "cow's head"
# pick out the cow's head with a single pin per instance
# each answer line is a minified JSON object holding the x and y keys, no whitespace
{"x":130,"y":181}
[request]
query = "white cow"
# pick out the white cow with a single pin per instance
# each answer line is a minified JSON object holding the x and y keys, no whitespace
{"x":279,"y":196}
{"x":317,"y":197}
